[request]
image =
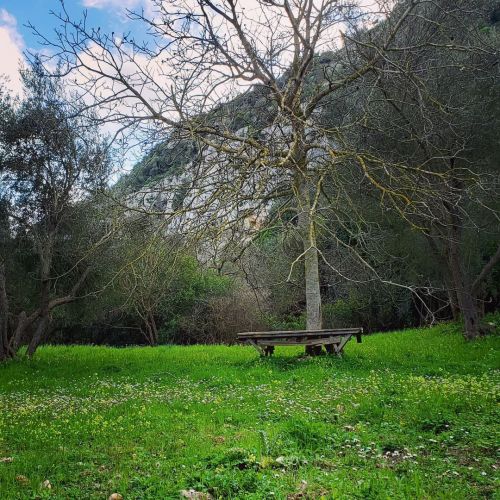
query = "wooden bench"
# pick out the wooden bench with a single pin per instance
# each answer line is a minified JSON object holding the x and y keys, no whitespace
{"x":333,"y":340}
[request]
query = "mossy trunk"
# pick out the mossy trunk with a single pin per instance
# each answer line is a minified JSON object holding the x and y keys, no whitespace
{"x":307,"y":230}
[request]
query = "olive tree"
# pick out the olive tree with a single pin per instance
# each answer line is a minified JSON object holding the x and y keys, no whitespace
{"x":50,"y":163}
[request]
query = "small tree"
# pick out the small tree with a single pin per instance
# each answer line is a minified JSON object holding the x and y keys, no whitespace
{"x":150,"y":266}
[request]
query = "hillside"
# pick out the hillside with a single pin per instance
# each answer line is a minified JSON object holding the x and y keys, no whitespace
{"x":252,"y":110}
{"x":408,"y":414}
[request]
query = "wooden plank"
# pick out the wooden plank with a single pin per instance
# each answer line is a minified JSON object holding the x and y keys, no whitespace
{"x":296,"y":342}
{"x":270,"y":335}
{"x":294,"y":339}
{"x":339,"y":347}
{"x":294,"y":335}
{"x":338,"y":331}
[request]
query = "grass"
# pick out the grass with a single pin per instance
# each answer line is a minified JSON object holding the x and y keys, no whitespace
{"x":410,"y":414}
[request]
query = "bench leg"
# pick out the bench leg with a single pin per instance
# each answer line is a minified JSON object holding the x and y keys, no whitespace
{"x":268,"y":350}
{"x":313,"y":350}
{"x":257,"y":347}
{"x":340,"y":347}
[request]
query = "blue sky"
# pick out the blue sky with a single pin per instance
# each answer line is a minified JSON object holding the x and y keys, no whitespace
{"x":37,"y":12}
{"x":16,"y":38}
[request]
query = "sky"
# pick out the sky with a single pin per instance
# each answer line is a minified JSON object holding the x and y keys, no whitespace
{"x":16,"y":38}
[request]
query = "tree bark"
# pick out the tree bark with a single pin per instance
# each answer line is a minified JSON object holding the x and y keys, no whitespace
{"x":466,"y":299}
{"x":313,"y":296}
{"x":148,"y":333}
{"x":5,"y":351}
{"x":311,"y":265}
{"x":23,"y":322}
{"x":437,"y":250}
{"x":46,"y":252}
{"x":154,"y":328}
{"x":468,"y":304}
{"x":39,"y":334}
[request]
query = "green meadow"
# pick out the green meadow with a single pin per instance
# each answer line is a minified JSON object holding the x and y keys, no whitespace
{"x":409,"y":414}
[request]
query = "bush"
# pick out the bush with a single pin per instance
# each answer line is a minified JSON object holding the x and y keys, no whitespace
{"x":373,"y":308}
{"x":218,"y":319}
{"x":288,"y":322}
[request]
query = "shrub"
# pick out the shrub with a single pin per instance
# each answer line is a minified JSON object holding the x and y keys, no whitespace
{"x":374,"y":308}
{"x":217,"y":318}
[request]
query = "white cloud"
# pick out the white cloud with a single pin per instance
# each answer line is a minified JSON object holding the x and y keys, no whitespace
{"x":114,"y":4}
{"x":11,"y":48}
{"x":6,"y":18}
{"x":120,"y":7}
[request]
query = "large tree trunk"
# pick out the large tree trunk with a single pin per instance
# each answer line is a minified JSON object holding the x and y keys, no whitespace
{"x":39,"y":334}
{"x":468,"y":303}
{"x":23,"y":322}
{"x":466,"y":298}
{"x":313,"y":296}
{"x":452,"y":297}
{"x":437,"y":249}
{"x":311,"y":265}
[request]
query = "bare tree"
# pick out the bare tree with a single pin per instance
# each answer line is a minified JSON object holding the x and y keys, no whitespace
{"x":178,"y":84}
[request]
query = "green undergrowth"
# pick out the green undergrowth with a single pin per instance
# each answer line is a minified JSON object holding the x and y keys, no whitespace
{"x":409,"y":414}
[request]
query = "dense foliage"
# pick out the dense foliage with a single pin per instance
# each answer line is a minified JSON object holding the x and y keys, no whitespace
{"x":52,"y":165}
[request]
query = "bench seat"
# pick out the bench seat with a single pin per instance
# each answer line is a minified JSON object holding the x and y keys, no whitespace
{"x":334,"y":340}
